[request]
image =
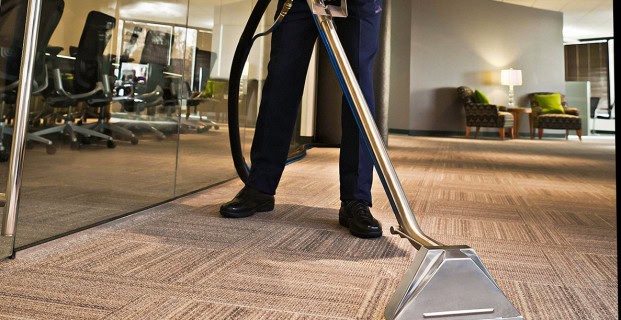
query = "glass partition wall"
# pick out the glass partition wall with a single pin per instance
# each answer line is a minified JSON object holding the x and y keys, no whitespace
{"x":134,"y":112}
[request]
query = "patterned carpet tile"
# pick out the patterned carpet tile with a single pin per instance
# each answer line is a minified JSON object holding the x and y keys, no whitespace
{"x":79,"y":293}
{"x":317,"y":299}
{"x":611,"y":219}
{"x":327,"y":243}
{"x":499,"y":230}
{"x":28,"y":307}
{"x":553,"y":302}
{"x":603,"y":269}
{"x":487,"y":198}
{"x":540,"y":214}
{"x":304,"y":268}
{"x":570,"y":203}
{"x":560,"y":217}
{"x":161,"y":307}
{"x":293,"y":215}
{"x":570,"y":267}
{"x":200,"y":229}
{"x":474,"y":210}
{"x":608,"y":294}
{"x":595,"y":238}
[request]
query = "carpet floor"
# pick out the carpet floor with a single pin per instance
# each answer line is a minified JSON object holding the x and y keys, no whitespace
{"x":541,"y":215}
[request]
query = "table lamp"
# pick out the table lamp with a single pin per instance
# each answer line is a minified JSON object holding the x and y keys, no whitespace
{"x":511,"y":77}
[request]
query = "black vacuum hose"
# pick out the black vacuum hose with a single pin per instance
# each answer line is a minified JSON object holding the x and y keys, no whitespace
{"x":239,"y":59}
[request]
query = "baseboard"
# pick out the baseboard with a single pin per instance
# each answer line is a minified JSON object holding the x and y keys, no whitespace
{"x":433,"y":133}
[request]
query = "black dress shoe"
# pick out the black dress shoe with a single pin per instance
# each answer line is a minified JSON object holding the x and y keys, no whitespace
{"x":356,"y":216}
{"x":246,"y":203}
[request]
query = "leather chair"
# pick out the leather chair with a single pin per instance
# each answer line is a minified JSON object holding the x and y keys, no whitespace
{"x":484,"y":115}
{"x":570,"y":120}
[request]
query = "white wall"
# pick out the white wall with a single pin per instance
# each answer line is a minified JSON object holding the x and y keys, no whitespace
{"x":467,"y":42}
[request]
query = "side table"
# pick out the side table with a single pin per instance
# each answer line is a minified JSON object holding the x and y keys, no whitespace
{"x":515,"y":111}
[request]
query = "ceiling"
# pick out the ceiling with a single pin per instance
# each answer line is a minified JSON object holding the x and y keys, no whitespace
{"x":582,"y":19}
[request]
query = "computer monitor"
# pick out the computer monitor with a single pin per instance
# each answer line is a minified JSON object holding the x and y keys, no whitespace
{"x":133,"y":72}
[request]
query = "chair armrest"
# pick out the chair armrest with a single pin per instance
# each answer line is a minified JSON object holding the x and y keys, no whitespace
{"x":480,"y":109}
{"x":572,"y":111}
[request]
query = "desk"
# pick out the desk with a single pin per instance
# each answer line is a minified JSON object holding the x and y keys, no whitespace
{"x":515,"y":111}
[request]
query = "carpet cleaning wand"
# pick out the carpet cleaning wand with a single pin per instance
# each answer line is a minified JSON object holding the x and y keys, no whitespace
{"x":443,"y":282}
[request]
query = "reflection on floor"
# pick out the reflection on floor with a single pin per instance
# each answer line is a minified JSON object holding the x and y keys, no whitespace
{"x":541,"y":214}
{"x":75,"y":188}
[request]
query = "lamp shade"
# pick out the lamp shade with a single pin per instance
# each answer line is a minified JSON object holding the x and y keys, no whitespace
{"x":511,"y":77}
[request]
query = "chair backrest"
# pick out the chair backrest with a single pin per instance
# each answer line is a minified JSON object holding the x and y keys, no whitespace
{"x":594,"y":104}
{"x":157,"y":48}
{"x":205,"y":60}
{"x":466,"y":94}
{"x":89,"y":64}
{"x":12,"y":28}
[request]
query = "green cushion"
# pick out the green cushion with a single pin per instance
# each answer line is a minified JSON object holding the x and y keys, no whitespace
{"x":550,"y":103}
{"x":480,"y":97}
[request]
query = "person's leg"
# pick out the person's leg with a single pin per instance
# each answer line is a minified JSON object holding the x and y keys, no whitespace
{"x":292,"y":44}
{"x":359,"y":34}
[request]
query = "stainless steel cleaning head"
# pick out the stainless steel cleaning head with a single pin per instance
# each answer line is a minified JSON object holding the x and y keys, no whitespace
{"x":448,"y":282}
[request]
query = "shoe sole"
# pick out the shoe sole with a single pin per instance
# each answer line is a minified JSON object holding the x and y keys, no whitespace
{"x":262,"y":208}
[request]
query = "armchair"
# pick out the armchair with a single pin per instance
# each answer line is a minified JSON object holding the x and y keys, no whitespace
{"x":484,"y":115}
{"x":570,"y":120}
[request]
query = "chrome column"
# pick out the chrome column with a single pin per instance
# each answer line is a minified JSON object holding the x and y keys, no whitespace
{"x":9,"y":219}
{"x":409,"y":228}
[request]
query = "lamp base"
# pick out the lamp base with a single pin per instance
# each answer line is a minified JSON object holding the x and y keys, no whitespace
{"x":510,"y":104}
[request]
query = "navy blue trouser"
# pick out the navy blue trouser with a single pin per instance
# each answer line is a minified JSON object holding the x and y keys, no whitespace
{"x":292,"y":44}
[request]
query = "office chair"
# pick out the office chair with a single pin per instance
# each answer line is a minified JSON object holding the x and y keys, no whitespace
{"x":204,"y":62}
{"x":92,"y":68}
{"x":12,"y":27}
{"x":155,"y":91}
{"x":90,"y":86}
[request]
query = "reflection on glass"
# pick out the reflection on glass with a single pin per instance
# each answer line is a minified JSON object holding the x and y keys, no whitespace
{"x":129,"y":106}
{"x":204,"y":155}
{"x":12,"y":31}
{"x":110,"y":112}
